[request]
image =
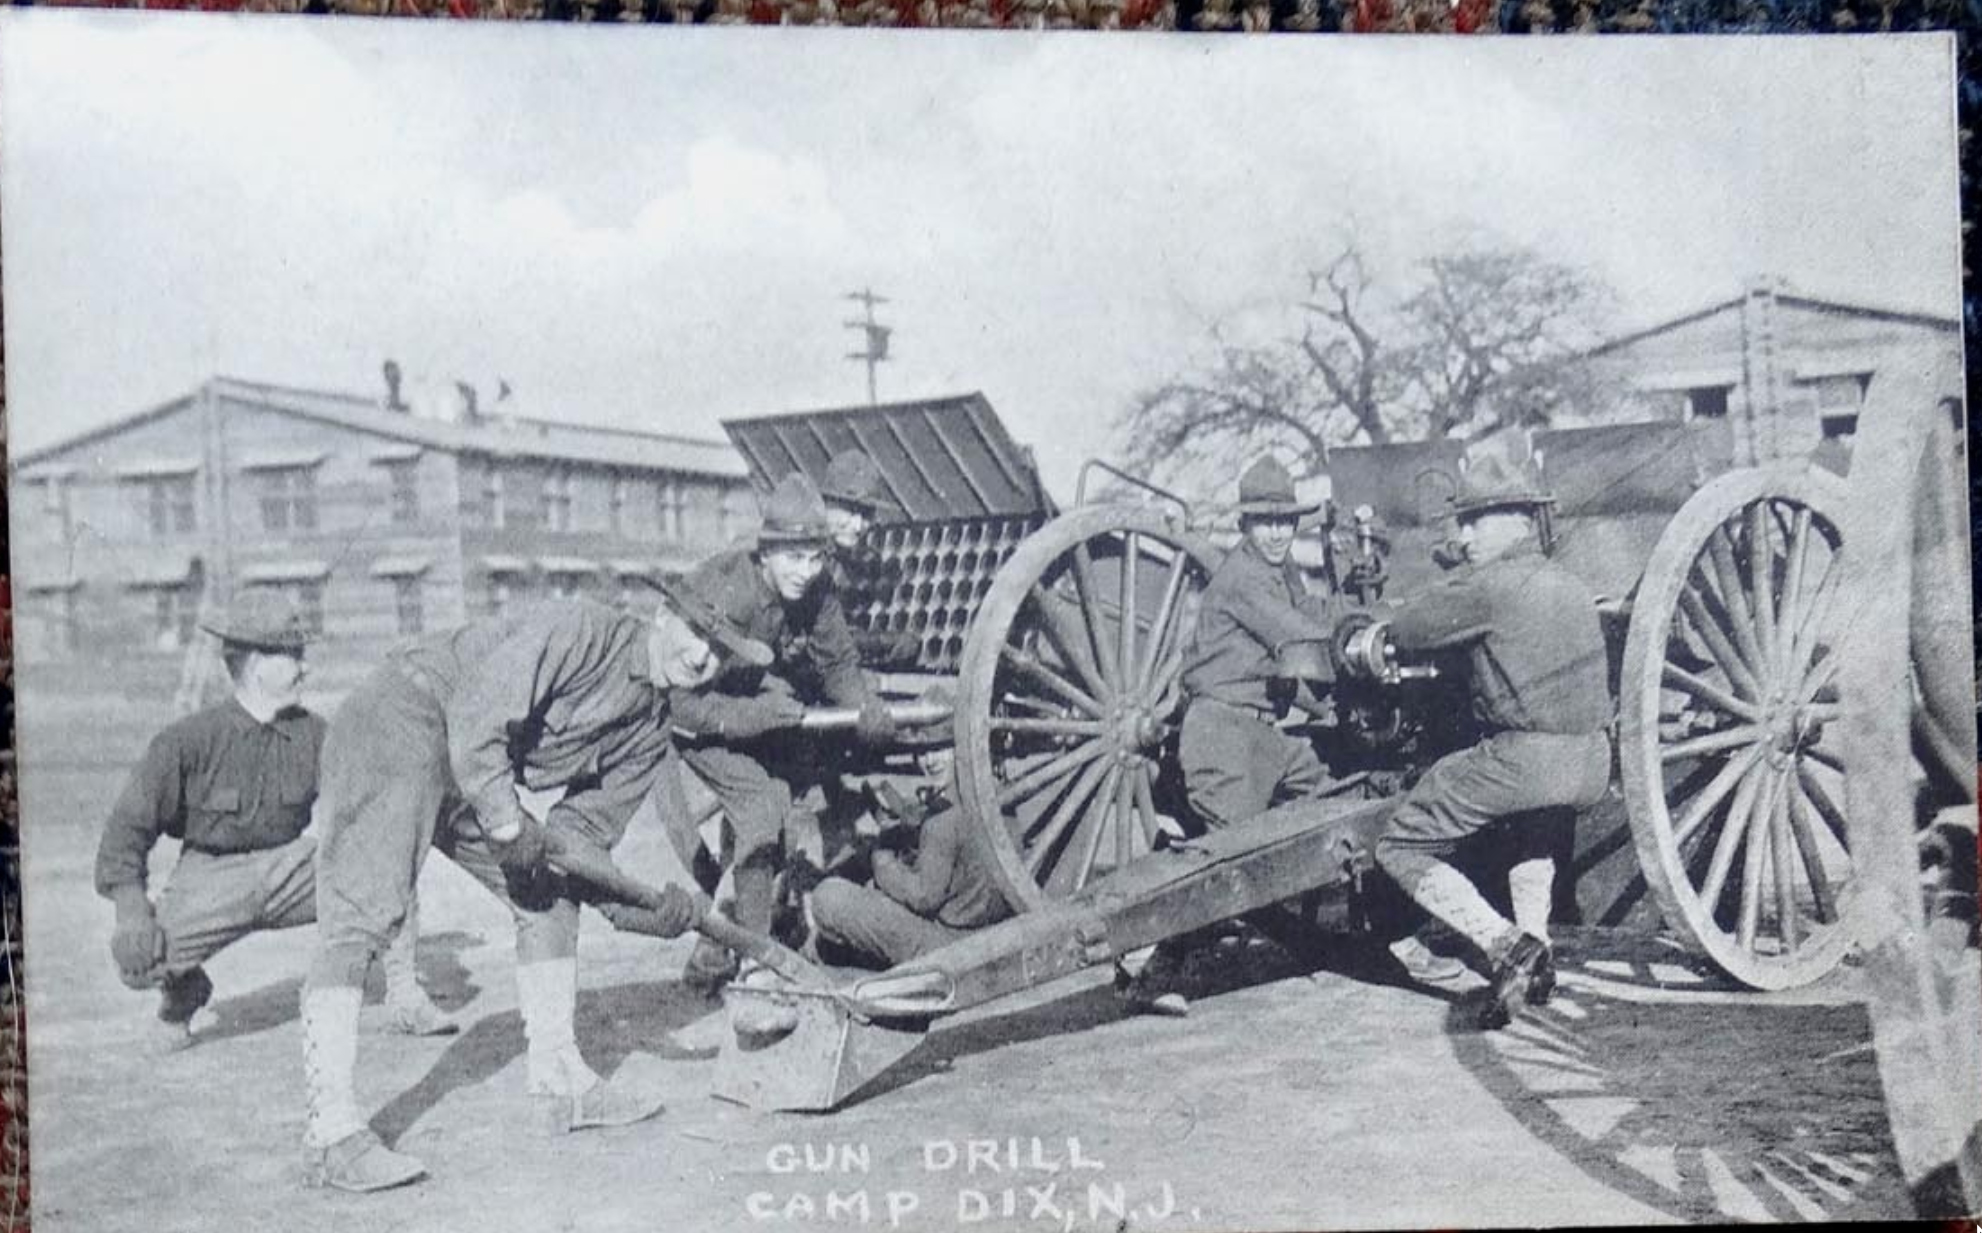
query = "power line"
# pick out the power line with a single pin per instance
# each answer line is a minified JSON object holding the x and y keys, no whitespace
{"x":874,"y":334}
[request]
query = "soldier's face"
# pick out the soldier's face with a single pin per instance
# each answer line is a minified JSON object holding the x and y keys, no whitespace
{"x":1492,"y":533}
{"x":848,"y":525}
{"x":791,"y":571}
{"x":277,"y":678}
{"x":1271,"y":538}
{"x":682,"y":657}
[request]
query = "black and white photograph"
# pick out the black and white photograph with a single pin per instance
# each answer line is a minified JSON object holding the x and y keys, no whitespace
{"x":753,"y":629}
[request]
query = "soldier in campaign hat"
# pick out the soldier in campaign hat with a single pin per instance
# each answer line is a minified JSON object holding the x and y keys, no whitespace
{"x":233,"y":783}
{"x":734,"y":732}
{"x":1537,"y":672}
{"x":855,"y":492}
{"x":430,"y":750}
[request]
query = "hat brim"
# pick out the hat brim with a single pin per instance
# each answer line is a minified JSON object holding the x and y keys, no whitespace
{"x":1279,"y":509}
{"x":794,"y":535}
{"x":867,"y":505}
{"x":703,"y":618}
{"x":259,"y":642}
{"x":1486,"y":505}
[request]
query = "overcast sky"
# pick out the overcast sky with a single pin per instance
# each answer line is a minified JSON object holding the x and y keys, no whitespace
{"x":653,"y":226}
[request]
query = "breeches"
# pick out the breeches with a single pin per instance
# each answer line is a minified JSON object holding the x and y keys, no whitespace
{"x":212,"y":901}
{"x":1237,"y":765}
{"x":1507,"y":774}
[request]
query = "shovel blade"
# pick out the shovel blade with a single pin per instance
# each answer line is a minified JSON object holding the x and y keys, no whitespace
{"x":816,"y":1066}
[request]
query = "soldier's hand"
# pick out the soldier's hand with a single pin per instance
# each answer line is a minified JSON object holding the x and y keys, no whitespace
{"x":675,"y":914}
{"x":526,"y":850}
{"x":137,"y":943}
{"x":754,"y":717}
{"x":876,"y":726}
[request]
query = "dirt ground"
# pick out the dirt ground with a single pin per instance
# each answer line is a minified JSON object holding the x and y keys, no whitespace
{"x":1294,"y":1096}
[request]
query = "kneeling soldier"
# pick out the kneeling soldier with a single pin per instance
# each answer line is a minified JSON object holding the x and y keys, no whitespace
{"x":947,"y":891}
{"x":1537,"y":673}
{"x":234,"y":783}
{"x":429,"y":751}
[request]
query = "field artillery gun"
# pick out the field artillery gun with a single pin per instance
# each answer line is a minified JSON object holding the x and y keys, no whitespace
{"x":1736,"y":608}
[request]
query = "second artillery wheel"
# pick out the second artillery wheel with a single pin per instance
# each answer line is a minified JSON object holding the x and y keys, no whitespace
{"x":1727,"y":709}
{"x":1069,"y":689}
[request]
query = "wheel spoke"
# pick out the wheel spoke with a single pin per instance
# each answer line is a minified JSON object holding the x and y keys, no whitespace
{"x":1785,"y":878}
{"x":1806,"y":847}
{"x":1698,"y":809}
{"x":1072,"y":644}
{"x":1724,"y":653}
{"x":1057,"y":768}
{"x":1714,"y":742}
{"x":1798,"y":551}
{"x":1733,"y":829}
{"x":1125,"y":612}
{"x":1088,"y":834}
{"x":1754,"y":856}
{"x":1090,"y":603}
{"x":1046,"y":727}
{"x":1146,"y":806}
{"x":1166,"y":611}
{"x":1069,"y":808}
{"x":1033,"y":668}
{"x":1125,"y":814}
{"x":1734,"y":600}
{"x":1826,"y":808}
{"x":1810,"y":623}
{"x":1823,"y":757}
{"x":1761,"y":580}
{"x":1707,"y":691}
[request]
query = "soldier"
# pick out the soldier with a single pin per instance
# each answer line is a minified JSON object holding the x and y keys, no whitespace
{"x":735,"y":733}
{"x":855,"y":492}
{"x":1237,"y":762}
{"x":947,"y":891}
{"x":234,"y":783}
{"x":1537,"y":674}
{"x":430,"y":750}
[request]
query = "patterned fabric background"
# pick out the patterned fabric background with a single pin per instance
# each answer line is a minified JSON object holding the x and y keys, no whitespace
{"x":1466,"y":17}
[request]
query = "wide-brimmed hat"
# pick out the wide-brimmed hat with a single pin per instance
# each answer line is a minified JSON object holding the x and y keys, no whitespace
{"x":1267,"y":490}
{"x":1495,"y":479}
{"x":853,"y":478}
{"x":261,"y":619}
{"x":794,"y":513}
{"x":706,"y":619}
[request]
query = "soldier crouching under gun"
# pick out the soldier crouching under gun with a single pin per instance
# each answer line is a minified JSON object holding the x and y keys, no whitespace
{"x":1535,"y":666}
{"x":737,"y":733}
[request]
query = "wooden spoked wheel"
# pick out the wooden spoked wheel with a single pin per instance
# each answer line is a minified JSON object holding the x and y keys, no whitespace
{"x":1069,"y":693}
{"x":1911,"y":757}
{"x":1728,"y":707}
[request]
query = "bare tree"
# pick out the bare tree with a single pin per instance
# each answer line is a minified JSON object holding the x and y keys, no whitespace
{"x":1479,"y":338}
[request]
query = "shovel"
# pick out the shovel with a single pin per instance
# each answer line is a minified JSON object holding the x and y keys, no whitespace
{"x":799,"y":1044}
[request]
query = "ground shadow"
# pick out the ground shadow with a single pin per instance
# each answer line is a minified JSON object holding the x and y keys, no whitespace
{"x":612,"y":1023}
{"x":442,"y":974}
{"x":1706,"y":1110}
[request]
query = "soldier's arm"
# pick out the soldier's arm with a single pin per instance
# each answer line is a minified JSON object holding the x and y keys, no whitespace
{"x":836,"y":657}
{"x":152,"y":799}
{"x":1272,"y":619}
{"x":512,"y":687}
{"x":921,"y":887}
{"x":1451,"y":614}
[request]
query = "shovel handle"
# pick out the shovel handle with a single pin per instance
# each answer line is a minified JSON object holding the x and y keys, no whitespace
{"x":599,"y":870}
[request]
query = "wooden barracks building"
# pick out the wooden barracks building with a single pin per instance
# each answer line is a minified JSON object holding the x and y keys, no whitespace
{"x":382,"y":520}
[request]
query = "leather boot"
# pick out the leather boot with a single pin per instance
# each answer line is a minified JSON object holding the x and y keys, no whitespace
{"x":1521,"y":964}
{"x":361,"y":1164}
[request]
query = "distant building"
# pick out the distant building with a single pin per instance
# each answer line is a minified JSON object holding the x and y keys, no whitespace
{"x":1782,"y":372}
{"x":383,"y":519}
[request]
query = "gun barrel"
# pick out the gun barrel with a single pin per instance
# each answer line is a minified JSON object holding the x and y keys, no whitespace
{"x":907,"y":714}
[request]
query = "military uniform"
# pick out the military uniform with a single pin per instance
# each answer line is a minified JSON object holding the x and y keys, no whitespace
{"x":1237,"y":762}
{"x":429,"y":751}
{"x":1537,"y":674}
{"x":237,"y":792}
{"x":913,"y":908}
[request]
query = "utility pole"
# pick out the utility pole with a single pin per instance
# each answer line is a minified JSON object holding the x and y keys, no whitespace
{"x":873,"y":333}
